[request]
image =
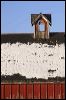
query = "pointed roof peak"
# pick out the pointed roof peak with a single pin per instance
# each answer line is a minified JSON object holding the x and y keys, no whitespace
{"x":35,"y":16}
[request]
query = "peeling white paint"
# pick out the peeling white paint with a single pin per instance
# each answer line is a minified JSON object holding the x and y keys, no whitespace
{"x":33,"y":60}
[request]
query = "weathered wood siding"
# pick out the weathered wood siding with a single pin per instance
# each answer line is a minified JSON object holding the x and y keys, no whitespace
{"x":42,"y":34}
{"x":49,"y":90}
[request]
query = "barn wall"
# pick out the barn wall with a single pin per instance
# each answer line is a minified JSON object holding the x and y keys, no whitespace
{"x":43,"y":90}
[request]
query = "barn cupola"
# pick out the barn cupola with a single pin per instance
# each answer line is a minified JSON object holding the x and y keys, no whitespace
{"x":41,"y":24}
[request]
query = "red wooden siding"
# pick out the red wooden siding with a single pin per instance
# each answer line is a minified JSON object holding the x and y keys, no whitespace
{"x":29,"y":91}
{"x":43,"y":91}
{"x":37,"y":91}
{"x":2,"y":92}
{"x":50,"y":91}
{"x":7,"y":91}
{"x":58,"y":91}
{"x":23,"y":91}
{"x":63,"y":91}
{"x":15,"y":91}
{"x":33,"y":91}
